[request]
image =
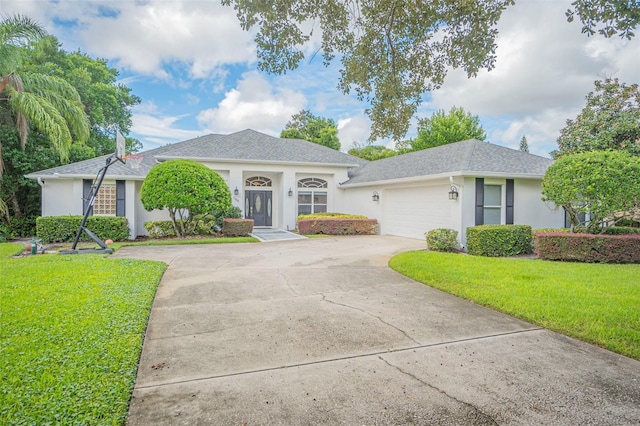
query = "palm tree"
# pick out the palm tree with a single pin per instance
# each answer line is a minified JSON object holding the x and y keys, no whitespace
{"x":49,"y":104}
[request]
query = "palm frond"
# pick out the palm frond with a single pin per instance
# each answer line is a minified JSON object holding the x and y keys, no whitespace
{"x":19,"y":30}
{"x":46,"y":118}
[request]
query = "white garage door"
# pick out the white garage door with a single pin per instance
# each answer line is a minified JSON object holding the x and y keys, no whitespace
{"x":410,"y":212}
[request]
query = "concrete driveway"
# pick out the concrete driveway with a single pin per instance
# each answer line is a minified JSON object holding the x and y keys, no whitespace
{"x":321,"y":331}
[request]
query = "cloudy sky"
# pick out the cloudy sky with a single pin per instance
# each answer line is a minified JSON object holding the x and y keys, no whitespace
{"x":195,"y":70}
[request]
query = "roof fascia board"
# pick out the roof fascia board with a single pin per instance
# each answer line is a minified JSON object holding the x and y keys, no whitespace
{"x":441,"y":176}
{"x":82,"y":176}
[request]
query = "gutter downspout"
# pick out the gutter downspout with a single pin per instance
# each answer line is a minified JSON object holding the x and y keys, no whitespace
{"x":40,"y":182}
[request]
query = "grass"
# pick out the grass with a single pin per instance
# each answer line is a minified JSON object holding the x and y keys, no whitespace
{"x":596,"y":303}
{"x":71,"y":335}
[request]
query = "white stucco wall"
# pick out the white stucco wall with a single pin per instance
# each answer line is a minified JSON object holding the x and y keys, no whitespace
{"x":529,"y":209}
{"x":61,"y":197}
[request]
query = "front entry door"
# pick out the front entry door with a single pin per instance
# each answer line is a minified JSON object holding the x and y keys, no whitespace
{"x":258,"y":206}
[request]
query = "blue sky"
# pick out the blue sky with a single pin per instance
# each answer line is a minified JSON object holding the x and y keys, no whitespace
{"x":196,"y":72}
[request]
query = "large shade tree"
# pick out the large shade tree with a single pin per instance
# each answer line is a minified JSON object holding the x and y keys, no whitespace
{"x":443,"y":128}
{"x":609,"y":121}
{"x":107,"y":104}
{"x":48,"y":103}
{"x":392,"y":52}
{"x":312,"y":128}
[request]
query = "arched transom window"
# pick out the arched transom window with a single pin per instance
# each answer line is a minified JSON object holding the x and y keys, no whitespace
{"x":312,"y":196}
{"x":312,"y":183}
{"x":258,"y":181}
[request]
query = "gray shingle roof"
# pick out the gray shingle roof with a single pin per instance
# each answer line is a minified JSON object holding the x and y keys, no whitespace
{"x":247,"y":145}
{"x":255,"y":146}
{"x":471,"y":158}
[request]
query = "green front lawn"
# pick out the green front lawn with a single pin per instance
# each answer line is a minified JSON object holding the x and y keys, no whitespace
{"x":71,"y":331}
{"x":596,"y":303}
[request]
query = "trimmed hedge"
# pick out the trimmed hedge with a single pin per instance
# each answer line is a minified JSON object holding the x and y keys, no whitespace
{"x":237,"y":227}
{"x":331,"y":215}
{"x":164,"y":228}
{"x":588,"y":248}
{"x":442,"y":239}
{"x":338,"y":226}
{"x":499,"y":240}
{"x":56,"y":229}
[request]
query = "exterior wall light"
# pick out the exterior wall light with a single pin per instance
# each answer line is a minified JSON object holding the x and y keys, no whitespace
{"x":290,"y":192}
{"x":236,"y":191}
{"x":375,"y":196}
{"x":453,"y":193}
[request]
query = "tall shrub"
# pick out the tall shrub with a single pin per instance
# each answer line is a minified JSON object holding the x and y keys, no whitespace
{"x":597,"y":184}
{"x":185,"y":188}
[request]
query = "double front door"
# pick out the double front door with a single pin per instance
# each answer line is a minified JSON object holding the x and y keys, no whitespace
{"x":259,"y":207}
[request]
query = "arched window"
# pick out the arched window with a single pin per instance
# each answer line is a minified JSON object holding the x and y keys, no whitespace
{"x":258,"y":181}
{"x":312,"y":196}
{"x":312,"y":183}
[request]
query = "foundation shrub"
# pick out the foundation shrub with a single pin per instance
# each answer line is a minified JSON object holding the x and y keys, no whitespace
{"x":330,"y":215}
{"x":160,"y":229}
{"x":54,"y":229}
{"x":338,"y":226}
{"x":499,"y":240}
{"x":237,"y":227}
{"x":620,"y":230}
{"x":442,"y":239}
{"x":588,"y":248}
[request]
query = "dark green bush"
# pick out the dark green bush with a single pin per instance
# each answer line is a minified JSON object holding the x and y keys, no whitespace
{"x":54,"y":229}
{"x":23,"y":227}
{"x":588,"y":248}
{"x":237,"y":227}
{"x":620,"y":230}
{"x":499,"y":240}
{"x":338,"y":226}
{"x":4,"y":232}
{"x":442,"y":239}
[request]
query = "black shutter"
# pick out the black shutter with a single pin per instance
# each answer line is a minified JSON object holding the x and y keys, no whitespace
{"x":479,"y":201}
{"x":86,"y":195}
{"x":510,"y":190}
{"x":120,"y":197}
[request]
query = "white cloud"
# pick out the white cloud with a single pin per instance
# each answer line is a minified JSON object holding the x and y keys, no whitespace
{"x":254,"y":104}
{"x":545,"y":68}
{"x":154,"y":129}
{"x":148,"y":37}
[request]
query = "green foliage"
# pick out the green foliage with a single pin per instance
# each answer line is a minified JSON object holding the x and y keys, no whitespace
{"x":442,"y":239}
{"x":4,"y":232}
{"x":160,"y":228}
{"x":616,"y":17}
{"x":309,"y":127}
{"x":588,"y":248}
{"x":237,"y":227}
{"x":393,"y":53}
{"x":186,"y":188}
{"x":499,"y":240}
{"x":337,"y":226}
{"x":331,"y":215}
{"x":592,"y":302}
{"x":51,"y":229}
{"x":609,"y":121}
{"x":372,"y":152}
{"x":72,"y":333}
{"x":107,"y":102}
{"x":443,"y":129}
{"x":232,"y":212}
{"x":620,"y":230}
{"x":599,"y":183}
{"x":524,"y":145}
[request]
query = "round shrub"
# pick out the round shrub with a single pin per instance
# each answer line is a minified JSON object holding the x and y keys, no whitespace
{"x":442,"y":239}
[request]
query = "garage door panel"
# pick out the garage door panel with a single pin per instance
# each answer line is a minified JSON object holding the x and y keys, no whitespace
{"x":410,"y":212}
